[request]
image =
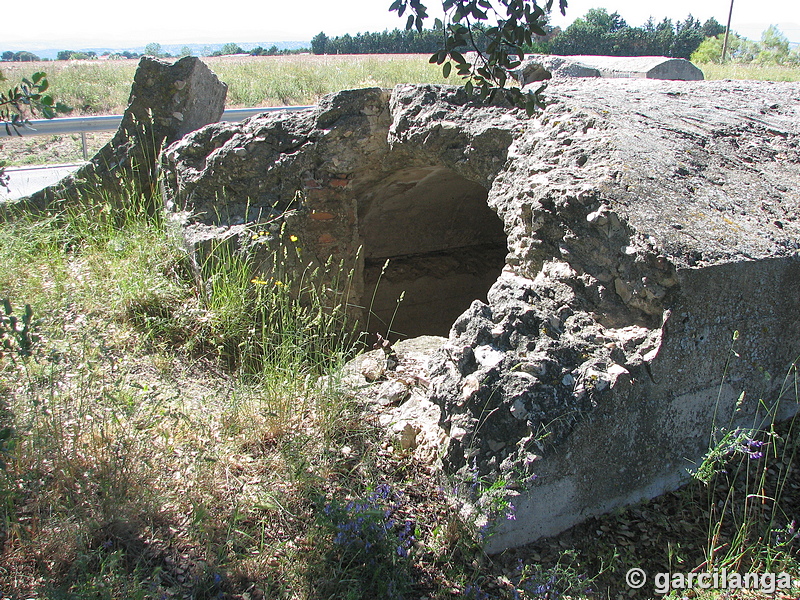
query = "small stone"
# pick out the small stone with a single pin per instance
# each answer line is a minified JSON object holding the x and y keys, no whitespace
{"x":598,"y":217}
{"x":372,"y":369}
{"x":488,"y":357}
{"x":469,"y":386}
{"x":408,"y":438}
{"x":518,"y":410}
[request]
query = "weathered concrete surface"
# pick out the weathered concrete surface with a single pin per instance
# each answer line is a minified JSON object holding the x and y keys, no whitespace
{"x":645,"y":221}
{"x":167,"y":101}
{"x":538,"y":67}
{"x":409,"y":189}
{"x":647,"y":67}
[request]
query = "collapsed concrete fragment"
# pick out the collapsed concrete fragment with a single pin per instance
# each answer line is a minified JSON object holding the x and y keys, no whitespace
{"x":167,"y":101}
{"x":642,"y":222}
{"x":535,"y":67}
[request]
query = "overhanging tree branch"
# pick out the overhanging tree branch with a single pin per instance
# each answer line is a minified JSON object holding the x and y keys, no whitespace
{"x":512,"y":25}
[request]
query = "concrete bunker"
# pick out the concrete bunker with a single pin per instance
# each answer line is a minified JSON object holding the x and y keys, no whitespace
{"x":428,"y":235}
{"x":644,"y":226}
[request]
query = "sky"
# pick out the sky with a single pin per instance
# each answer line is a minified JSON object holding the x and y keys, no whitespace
{"x":58,"y":24}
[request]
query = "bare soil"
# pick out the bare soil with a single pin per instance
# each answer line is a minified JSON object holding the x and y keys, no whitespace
{"x":50,"y":149}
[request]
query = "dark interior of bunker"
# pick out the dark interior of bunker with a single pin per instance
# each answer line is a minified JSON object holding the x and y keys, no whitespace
{"x":431,"y":246}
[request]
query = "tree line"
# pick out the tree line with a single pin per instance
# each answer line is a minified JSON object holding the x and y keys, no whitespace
{"x":604,"y":34}
{"x":598,"y":32}
{"x":151,"y":49}
{"x":397,"y":41}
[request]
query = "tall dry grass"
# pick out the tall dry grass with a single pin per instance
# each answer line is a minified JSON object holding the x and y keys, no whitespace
{"x":94,"y":87}
{"x":753,"y":72}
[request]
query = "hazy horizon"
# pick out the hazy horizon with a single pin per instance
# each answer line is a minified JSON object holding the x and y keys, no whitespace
{"x":60,"y":27}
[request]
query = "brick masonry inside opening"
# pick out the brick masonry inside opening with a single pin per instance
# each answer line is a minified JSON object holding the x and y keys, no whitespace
{"x":445,"y":248}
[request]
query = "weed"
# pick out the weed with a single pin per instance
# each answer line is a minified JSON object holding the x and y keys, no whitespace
{"x":370,"y":549}
{"x":17,"y":335}
{"x":746,"y":475}
{"x":566,"y":578}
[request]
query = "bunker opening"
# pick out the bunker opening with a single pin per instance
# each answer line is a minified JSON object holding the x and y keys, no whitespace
{"x":431,"y":247}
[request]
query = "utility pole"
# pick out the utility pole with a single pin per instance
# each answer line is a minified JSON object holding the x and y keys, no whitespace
{"x":727,"y":31}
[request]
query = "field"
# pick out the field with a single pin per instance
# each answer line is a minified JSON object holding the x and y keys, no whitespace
{"x":102,"y":88}
{"x":174,"y":430}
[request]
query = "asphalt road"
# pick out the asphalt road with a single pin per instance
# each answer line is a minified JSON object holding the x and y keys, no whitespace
{"x":24,"y":181}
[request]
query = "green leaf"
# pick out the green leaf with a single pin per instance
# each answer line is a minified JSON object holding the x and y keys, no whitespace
{"x":448,"y":66}
{"x":458,"y":57}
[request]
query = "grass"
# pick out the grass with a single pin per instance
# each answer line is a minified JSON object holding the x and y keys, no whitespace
{"x":753,"y":72}
{"x":102,"y":87}
{"x":169,"y":435}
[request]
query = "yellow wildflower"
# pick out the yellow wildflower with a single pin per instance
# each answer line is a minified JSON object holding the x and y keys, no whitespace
{"x":258,"y":281}
{"x":293,"y":238}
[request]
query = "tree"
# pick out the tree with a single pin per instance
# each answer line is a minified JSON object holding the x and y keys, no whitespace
{"x":25,"y":56}
{"x":319,"y":43}
{"x":153,"y":49}
{"x":712,"y":28}
{"x":739,"y":49}
{"x":186,"y":51}
{"x":8,"y":55}
{"x":597,"y":32}
{"x":688,"y":37}
{"x":512,"y":25}
{"x":774,"y":46}
{"x":231,"y":48}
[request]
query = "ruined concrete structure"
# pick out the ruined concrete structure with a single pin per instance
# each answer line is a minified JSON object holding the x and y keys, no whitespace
{"x":587,"y":268}
{"x":167,"y":101}
{"x":590,"y":266}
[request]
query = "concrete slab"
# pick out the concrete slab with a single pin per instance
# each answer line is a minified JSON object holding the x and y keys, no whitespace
{"x":644,"y":67}
{"x":24,"y":181}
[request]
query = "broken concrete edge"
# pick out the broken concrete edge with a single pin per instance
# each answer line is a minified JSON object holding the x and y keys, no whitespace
{"x":330,"y":165}
{"x":167,"y":101}
{"x":538,"y":67}
{"x":643,"y":226}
